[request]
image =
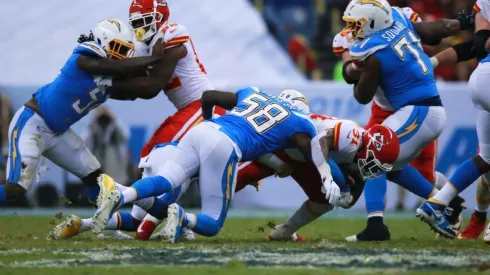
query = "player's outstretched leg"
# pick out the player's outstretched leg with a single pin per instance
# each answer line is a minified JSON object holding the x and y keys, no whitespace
{"x":432,"y":211}
{"x":307,"y":213}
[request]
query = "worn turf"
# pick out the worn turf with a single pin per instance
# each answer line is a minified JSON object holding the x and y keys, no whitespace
{"x":241,"y":248}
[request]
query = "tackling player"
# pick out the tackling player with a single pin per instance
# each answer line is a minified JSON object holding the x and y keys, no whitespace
{"x":375,"y":189}
{"x":258,"y":124}
{"x":388,"y":54}
{"x":41,"y":128}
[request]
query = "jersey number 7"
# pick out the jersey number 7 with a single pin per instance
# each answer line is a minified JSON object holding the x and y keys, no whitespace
{"x":407,"y":43}
{"x":260,"y":112}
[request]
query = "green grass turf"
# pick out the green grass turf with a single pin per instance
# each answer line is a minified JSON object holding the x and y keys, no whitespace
{"x":240,"y":248}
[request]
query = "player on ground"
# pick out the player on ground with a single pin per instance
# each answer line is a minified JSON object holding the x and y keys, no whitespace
{"x":472,"y":169}
{"x":388,"y":54}
{"x":41,"y":128}
{"x":375,"y":189}
{"x":258,"y":124}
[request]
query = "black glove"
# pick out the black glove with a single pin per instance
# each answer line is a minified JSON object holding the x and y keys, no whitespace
{"x":466,"y":21}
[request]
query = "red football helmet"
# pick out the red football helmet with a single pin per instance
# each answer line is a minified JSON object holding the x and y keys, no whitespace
{"x":379,"y":150}
{"x":147,"y":16}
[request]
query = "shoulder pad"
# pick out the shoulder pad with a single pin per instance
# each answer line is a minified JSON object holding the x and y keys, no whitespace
{"x":174,"y":34}
{"x":361,"y":50}
{"x":242,"y":93}
{"x":91,"y":48}
{"x":347,"y":136}
{"x":411,"y":15}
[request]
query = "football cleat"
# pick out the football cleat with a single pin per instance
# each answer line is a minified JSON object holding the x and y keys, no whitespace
{"x":187,"y":234}
{"x":109,"y":205}
{"x":172,"y":228}
{"x":67,"y":229}
{"x":372,"y":233}
{"x":436,"y":220}
{"x":486,"y":234}
{"x":113,"y":235}
{"x":473,"y":230}
{"x":146,"y":227}
{"x":106,"y":184}
{"x":282,"y":233}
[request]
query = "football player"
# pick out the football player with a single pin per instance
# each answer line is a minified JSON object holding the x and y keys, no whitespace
{"x":41,"y":128}
{"x":257,"y":124}
{"x":181,"y":76}
{"x":478,"y":166}
{"x":387,"y":53}
{"x":375,"y":189}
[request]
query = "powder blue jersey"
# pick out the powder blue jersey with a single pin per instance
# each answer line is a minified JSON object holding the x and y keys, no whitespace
{"x":74,"y":92}
{"x":262,"y":123}
{"x":407,"y":75}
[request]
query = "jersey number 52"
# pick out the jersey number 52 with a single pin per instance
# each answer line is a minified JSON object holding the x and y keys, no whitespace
{"x":260,"y":112}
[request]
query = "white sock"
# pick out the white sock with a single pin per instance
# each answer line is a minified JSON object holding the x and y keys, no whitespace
{"x":191,"y":220}
{"x":482,"y":196}
{"x":445,"y":195}
{"x":129,"y":194}
{"x":308,"y":212}
{"x":440,"y":180}
{"x":375,"y":214}
{"x":121,"y":187}
{"x":113,"y":222}
{"x":85,"y":226}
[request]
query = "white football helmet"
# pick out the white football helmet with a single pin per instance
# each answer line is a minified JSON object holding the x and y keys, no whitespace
{"x":297,"y":99}
{"x":115,"y":36}
{"x":366,"y":17}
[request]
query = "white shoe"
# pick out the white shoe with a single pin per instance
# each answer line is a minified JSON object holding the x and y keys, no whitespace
{"x":187,"y":234}
{"x":171,"y":230}
{"x":106,"y":184}
{"x":113,"y":235}
{"x":67,"y":229}
{"x":283,"y":233}
{"x":107,"y":207}
{"x":486,"y":234}
{"x":352,"y":238}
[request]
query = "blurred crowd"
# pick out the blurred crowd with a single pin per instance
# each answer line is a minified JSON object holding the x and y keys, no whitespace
{"x":306,"y":28}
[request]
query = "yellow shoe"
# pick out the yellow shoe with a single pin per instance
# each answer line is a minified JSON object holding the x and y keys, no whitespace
{"x":67,"y":229}
{"x":106,"y":184}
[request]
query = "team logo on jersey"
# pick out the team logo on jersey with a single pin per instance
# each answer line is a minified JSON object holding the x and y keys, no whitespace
{"x":114,"y":21}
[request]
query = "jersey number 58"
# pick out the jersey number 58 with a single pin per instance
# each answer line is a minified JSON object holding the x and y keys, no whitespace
{"x":260,"y":112}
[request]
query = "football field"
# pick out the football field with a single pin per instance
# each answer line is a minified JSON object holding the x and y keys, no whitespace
{"x":240,"y":248}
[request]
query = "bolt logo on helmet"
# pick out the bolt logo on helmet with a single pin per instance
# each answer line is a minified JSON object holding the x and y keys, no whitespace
{"x":115,"y":36}
{"x":147,"y":16}
{"x":366,"y":17}
{"x":379,"y":150}
{"x":297,"y":99}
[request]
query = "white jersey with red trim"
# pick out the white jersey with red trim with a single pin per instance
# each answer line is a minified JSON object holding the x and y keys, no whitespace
{"x":483,"y":7}
{"x":189,"y":79}
{"x":347,"y":138}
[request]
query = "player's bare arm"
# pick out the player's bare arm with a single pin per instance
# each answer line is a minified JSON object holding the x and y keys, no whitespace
{"x":211,"y":98}
{"x":148,"y":87}
{"x":368,"y":82}
{"x":120,"y":67}
{"x":466,"y":50}
{"x":431,"y":33}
